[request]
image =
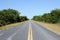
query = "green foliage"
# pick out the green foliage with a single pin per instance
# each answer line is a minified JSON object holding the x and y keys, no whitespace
{"x":8,"y":16}
{"x":23,"y":18}
{"x":52,"y":17}
{"x":2,"y":22}
{"x":46,"y":17}
{"x":55,"y":15}
{"x":36,"y":18}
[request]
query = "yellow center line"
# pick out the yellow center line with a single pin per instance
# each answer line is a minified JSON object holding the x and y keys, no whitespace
{"x":30,"y":32}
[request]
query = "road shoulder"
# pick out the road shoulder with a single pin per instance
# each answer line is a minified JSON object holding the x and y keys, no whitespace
{"x":50,"y":27}
{"x":10,"y":26}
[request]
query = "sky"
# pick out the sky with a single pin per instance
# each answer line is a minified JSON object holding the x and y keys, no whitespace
{"x":30,"y":8}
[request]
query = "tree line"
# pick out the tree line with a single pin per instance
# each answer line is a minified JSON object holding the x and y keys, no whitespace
{"x":8,"y":16}
{"x":52,"y":17}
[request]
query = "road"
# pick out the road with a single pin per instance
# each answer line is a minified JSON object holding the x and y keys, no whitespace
{"x":29,"y":30}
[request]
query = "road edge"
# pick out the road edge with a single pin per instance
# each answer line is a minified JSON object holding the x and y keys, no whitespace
{"x":19,"y":23}
{"x":48,"y":28}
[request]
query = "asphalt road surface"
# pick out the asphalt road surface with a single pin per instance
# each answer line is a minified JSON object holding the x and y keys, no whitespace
{"x":20,"y":32}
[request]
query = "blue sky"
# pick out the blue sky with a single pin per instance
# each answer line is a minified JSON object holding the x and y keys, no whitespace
{"x":30,"y":8}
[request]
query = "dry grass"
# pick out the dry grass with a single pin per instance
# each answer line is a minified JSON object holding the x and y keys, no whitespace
{"x":10,"y":25}
{"x":53,"y":27}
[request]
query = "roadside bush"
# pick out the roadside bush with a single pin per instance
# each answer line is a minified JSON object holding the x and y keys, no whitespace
{"x":52,"y":17}
{"x":8,"y":16}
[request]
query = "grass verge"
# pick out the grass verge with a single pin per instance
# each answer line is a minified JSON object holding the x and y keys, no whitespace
{"x":53,"y":27}
{"x":10,"y":25}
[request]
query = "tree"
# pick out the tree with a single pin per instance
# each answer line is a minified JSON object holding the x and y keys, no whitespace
{"x":52,"y":17}
{"x":36,"y":18}
{"x":46,"y":17}
{"x":55,"y":15}
{"x":23,"y":18}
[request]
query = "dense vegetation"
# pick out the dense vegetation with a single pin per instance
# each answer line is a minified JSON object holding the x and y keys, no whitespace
{"x":8,"y":16}
{"x":52,"y":17}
